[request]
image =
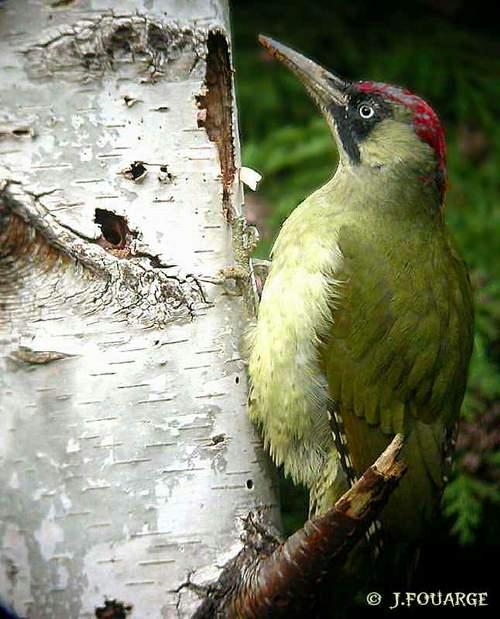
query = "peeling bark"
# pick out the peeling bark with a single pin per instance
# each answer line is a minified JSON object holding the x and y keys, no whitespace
{"x":216,"y":111}
{"x":127,"y":462}
{"x":86,"y":49}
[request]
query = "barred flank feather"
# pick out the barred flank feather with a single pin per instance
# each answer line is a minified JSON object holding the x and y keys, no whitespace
{"x":374,"y":534}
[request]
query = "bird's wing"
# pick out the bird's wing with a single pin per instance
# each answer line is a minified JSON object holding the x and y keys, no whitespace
{"x":396,"y":361}
{"x":401,"y":339}
{"x":399,"y":347}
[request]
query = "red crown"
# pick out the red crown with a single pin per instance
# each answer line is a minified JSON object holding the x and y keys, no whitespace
{"x":425,"y":120}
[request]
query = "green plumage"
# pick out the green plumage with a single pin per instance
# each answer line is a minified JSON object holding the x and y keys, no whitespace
{"x":394,"y":347}
{"x":367,"y":306}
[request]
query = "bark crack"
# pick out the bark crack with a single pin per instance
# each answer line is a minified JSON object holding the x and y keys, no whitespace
{"x":37,"y":251}
{"x":215,"y":103}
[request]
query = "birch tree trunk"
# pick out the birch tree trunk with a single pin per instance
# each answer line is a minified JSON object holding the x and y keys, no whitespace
{"x":126,"y":457}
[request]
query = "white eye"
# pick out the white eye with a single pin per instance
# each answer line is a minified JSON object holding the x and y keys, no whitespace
{"x":366,"y":111}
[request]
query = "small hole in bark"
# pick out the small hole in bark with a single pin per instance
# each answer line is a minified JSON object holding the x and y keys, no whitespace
{"x":137,"y":169}
{"x":218,"y":438}
{"x":114,"y":228}
{"x":249,"y":484}
{"x":237,"y":380}
{"x":136,"y":172}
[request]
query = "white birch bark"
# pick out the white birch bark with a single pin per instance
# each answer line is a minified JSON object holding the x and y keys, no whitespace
{"x":126,"y":456}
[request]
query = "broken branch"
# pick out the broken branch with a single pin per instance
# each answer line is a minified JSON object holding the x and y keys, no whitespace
{"x":271,"y":579}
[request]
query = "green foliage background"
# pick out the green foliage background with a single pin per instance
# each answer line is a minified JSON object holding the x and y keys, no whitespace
{"x":448,"y":53}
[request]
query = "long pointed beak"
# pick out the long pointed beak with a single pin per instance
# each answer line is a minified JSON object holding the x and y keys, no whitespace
{"x":322,"y":85}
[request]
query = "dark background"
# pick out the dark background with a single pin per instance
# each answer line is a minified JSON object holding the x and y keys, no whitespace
{"x":448,"y":52}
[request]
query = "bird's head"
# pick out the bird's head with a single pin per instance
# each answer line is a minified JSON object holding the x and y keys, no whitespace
{"x":374,"y":124}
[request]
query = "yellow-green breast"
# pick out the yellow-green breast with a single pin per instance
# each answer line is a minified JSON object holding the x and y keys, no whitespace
{"x":369,"y":304}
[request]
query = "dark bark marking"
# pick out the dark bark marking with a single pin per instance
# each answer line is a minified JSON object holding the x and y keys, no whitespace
{"x":55,"y":4}
{"x":130,"y":101}
{"x":219,"y":438}
{"x":16,"y":132}
{"x":113,"y":609}
{"x":216,"y":111}
{"x":165,"y":176}
{"x":136,"y":171}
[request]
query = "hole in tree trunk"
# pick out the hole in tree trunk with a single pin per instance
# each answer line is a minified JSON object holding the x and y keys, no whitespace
{"x":115,"y":231}
{"x":136,"y":171}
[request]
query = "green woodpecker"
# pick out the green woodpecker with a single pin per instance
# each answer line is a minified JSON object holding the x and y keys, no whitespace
{"x":365,"y":325}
